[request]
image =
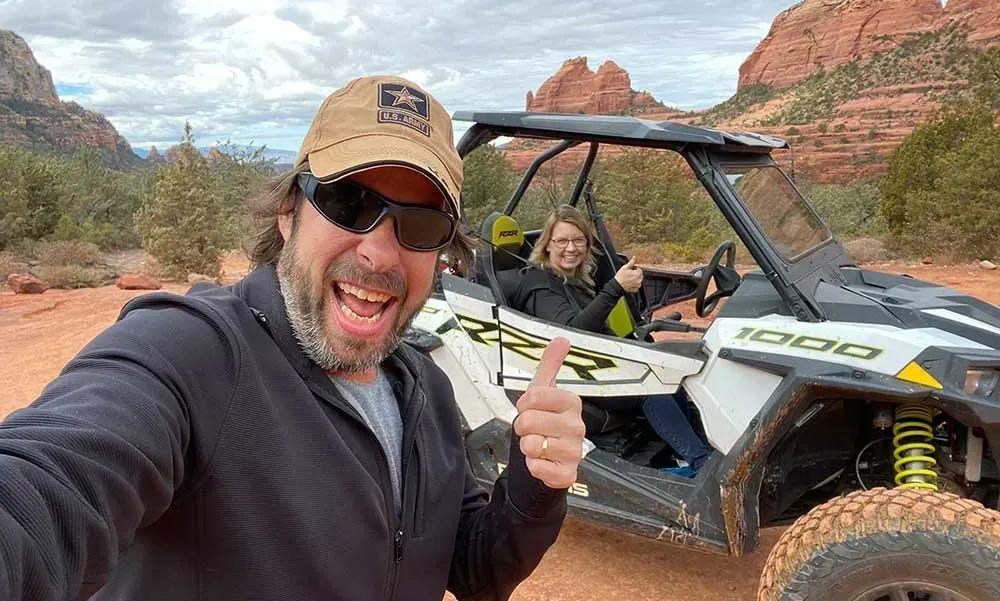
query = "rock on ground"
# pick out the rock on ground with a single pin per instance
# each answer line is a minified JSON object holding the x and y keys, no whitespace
{"x":138,"y":281}
{"x":866,"y":250}
{"x":25,"y":283}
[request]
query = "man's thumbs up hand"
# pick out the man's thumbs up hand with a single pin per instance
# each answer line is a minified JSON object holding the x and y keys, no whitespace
{"x":550,"y":423}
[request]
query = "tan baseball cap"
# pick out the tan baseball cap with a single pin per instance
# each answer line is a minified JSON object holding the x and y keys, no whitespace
{"x":383,"y":120}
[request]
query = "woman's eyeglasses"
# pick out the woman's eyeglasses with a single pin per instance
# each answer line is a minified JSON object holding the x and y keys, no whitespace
{"x":562,"y":243}
{"x":357,"y":209}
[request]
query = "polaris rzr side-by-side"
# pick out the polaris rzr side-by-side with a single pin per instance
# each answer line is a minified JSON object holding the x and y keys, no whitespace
{"x":862,"y":406}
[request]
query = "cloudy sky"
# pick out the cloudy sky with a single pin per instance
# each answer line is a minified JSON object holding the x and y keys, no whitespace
{"x":256,"y":70}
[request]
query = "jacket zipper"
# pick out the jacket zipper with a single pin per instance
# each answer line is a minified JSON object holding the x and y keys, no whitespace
{"x":409,"y":420}
{"x":389,"y":503}
{"x":409,"y":442}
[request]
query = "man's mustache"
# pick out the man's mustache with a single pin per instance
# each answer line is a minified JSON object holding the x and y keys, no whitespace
{"x":352,"y":271}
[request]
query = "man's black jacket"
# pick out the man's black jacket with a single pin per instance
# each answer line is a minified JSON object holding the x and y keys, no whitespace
{"x":192,"y":452}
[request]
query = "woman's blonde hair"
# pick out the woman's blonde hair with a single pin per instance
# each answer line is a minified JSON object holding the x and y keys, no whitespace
{"x":573,"y":216}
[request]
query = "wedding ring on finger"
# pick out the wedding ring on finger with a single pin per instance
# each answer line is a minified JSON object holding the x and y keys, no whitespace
{"x":544,"y":454}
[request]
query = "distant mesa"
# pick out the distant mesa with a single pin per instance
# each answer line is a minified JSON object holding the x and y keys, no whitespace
{"x":280,"y":157}
{"x":33,"y":117}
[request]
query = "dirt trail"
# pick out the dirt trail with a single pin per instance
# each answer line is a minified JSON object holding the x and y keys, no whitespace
{"x":41,"y":333}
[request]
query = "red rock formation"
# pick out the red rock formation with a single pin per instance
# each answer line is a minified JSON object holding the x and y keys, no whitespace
{"x":24,"y":283}
{"x":577,"y":89}
{"x":21,"y":77}
{"x":840,"y":140}
{"x":854,"y":138}
{"x":31,"y":115}
{"x":982,"y":16}
{"x":828,"y":33}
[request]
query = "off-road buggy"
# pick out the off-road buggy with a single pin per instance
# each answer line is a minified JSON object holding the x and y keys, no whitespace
{"x":863,"y":406}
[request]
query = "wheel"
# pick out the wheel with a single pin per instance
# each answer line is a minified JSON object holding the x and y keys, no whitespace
{"x":726,"y":279}
{"x":888,"y":545}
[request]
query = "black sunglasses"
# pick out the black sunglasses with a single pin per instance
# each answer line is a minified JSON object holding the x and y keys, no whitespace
{"x":357,"y":209}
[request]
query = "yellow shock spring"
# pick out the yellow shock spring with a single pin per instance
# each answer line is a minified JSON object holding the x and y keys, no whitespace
{"x":911,"y":441}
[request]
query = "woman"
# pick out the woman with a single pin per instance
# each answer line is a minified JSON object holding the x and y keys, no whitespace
{"x":562,"y":290}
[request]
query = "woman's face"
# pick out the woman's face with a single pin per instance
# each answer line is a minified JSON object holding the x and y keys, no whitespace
{"x":567,"y":248}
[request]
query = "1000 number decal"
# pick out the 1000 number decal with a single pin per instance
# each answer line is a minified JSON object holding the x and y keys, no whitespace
{"x":809,"y":343}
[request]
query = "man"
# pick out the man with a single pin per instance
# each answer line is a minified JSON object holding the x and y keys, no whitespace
{"x":273,"y":440}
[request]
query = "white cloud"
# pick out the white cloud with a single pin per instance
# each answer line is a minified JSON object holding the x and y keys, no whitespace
{"x":242,"y":69}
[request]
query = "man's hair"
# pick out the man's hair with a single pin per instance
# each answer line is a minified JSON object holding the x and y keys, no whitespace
{"x":567,"y":214}
{"x":264,"y":242}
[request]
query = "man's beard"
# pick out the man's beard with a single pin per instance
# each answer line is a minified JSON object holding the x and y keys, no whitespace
{"x":307,"y":310}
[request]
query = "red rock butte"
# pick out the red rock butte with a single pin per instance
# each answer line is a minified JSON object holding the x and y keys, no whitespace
{"x":577,"y":89}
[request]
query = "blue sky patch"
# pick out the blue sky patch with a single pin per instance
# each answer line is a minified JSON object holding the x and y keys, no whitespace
{"x":73,"y":89}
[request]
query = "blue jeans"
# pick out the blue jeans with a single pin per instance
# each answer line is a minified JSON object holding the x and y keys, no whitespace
{"x":668,"y":420}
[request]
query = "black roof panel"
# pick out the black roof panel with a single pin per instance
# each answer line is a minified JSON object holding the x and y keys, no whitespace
{"x":621,"y":129}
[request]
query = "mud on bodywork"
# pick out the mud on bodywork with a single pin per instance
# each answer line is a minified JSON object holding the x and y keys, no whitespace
{"x":804,"y":383}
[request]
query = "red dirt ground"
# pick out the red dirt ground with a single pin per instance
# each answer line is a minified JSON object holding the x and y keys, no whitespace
{"x":41,"y":333}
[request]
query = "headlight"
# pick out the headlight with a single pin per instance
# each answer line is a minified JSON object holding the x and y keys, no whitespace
{"x":981,"y":381}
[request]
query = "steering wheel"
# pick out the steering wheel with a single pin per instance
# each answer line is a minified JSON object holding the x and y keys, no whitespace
{"x":723,"y":274}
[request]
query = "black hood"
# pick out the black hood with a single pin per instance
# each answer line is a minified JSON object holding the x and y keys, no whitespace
{"x":906,"y":302}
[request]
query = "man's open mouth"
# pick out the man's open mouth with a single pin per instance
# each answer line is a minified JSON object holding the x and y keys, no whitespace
{"x":361,"y":304}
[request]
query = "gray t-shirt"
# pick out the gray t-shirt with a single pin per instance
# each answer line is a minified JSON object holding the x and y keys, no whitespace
{"x":378,"y":406}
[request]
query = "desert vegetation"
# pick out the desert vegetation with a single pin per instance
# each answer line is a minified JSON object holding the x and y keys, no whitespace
{"x":942,"y":190}
{"x":57,"y":213}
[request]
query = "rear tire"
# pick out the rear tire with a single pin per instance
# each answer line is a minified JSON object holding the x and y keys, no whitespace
{"x":888,"y":545}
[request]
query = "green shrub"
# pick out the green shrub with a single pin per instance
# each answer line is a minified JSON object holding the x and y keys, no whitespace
{"x":104,"y":235}
{"x":64,"y":253}
{"x":942,"y":187}
{"x":488,"y":184}
{"x":651,"y":196}
{"x":851,"y":210}
{"x":73,"y":276}
{"x":182,"y":225}
{"x":28,"y":207}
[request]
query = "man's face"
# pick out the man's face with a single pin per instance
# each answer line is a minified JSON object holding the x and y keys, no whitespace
{"x":349,"y":297}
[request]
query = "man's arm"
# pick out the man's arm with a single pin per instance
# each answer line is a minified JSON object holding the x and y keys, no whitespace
{"x":101,"y":453}
{"x":501,"y":543}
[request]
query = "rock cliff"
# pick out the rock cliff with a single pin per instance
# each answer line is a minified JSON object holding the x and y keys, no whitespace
{"x":823,"y":34}
{"x":33,"y":117}
{"x":982,"y":17}
{"x":846,"y":80}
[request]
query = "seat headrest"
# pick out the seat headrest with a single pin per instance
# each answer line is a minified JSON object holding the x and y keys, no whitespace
{"x":506,"y":238}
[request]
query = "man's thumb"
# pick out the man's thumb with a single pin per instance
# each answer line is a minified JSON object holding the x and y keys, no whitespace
{"x":552,"y":360}
{"x":631,"y":261}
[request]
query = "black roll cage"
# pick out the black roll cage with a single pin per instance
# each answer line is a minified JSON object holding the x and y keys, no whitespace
{"x":707,"y":152}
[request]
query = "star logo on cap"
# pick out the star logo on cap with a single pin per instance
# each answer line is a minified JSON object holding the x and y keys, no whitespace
{"x":404,"y":96}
